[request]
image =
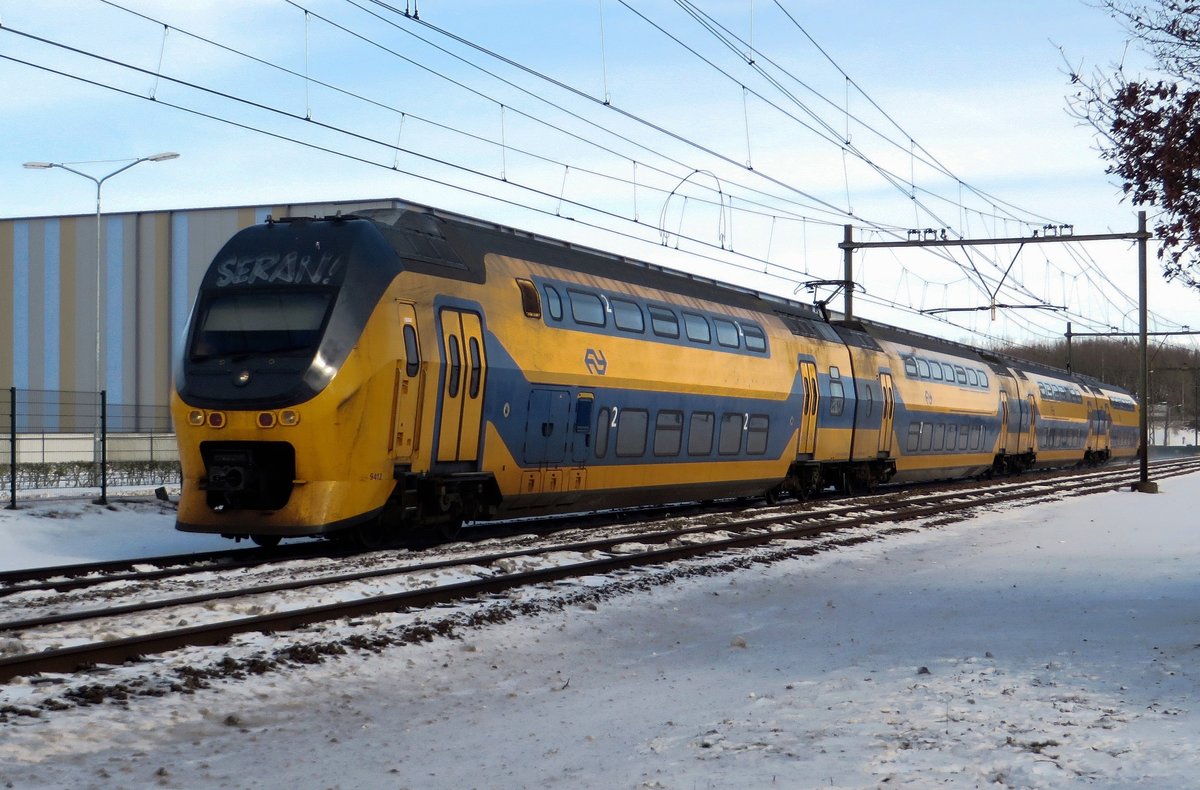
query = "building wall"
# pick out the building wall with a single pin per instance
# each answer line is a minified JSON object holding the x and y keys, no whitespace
{"x":151,"y":264}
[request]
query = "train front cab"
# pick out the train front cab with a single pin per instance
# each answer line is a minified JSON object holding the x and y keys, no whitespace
{"x":290,"y":381}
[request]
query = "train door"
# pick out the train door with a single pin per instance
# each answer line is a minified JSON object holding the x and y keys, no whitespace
{"x":889,"y":412}
{"x":546,"y":427}
{"x":1029,"y":423}
{"x":808,"y":413}
{"x":1005,"y":433}
{"x":462,"y":392}
{"x":406,"y":391}
{"x":581,"y":437}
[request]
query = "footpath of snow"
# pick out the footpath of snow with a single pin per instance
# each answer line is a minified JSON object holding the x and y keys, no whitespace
{"x":1048,"y":646}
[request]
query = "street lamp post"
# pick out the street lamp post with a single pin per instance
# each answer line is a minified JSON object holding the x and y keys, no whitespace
{"x":99,"y":182}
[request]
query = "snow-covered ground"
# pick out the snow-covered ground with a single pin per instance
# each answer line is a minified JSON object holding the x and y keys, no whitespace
{"x":1046,"y":646}
{"x":45,"y":531}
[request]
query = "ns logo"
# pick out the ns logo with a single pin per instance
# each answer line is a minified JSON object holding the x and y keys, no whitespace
{"x":595,"y":362}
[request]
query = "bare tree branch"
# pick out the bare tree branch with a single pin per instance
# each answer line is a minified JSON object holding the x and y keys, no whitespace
{"x":1149,"y":129}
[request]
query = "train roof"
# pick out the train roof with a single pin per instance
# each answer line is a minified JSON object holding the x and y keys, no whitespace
{"x":471,"y":239}
{"x":454,"y":245}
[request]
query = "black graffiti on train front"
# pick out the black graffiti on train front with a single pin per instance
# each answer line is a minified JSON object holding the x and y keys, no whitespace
{"x":290,"y":268}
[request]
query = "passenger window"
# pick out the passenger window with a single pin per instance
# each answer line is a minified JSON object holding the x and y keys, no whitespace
{"x":926,"y":436}
{"x":935,"y":371}
{"x":960,"y":374}
{"x":476,"y":369}
{"x":727,"y":334}
{"x":951,"y":437}
{"x":914,"y":436}
{"x":668,"y":433}
{"x":730,"y":441}
{"x":700,"y":433}
{"x":837,"y":398}
{"x":455,"y":375}
{"x":939,"y":436}
{"x":530,"y":302}
{"x":948,"y":370}
{"x":631,"y":433}
{"x":923,"y":368}
{"x":627,"y":316}
{"x":756,"y":434}
{"x":696,"y":328}
{"x":910,"y":367}
{"x":583,"y":413}
{"x":663,"y":322}
{"x":553,"y":302}
{"x":983,"y":379}
{"x":412,"y":352}
{"x":586,"y":308}
{"x":976,"y":437}
{"x":755,"y":339}
{"x":602,"y":432}
{"x":962,"y":438}
{"x":972,"y":378}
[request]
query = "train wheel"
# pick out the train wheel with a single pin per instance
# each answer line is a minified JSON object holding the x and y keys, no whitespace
{"x":266,"y":541}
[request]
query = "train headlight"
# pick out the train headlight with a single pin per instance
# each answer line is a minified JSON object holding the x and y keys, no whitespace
{"x":266,"y":419}
{"x":195,"y":418}
{"x":289,"y":417}
{"x":216,"y":419}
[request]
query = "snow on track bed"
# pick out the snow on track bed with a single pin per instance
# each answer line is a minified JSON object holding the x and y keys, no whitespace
{"x":98,"y":635}
{"x":54,"y":646}
{"x":1059,"y":649}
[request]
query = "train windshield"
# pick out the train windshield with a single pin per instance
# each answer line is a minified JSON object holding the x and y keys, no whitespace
{"x":260,"y":323}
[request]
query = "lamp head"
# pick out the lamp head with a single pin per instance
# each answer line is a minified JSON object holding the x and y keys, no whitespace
{"x":38,"y":165}
{"x":163,"y":156}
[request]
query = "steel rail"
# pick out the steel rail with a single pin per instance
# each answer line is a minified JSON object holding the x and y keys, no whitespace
{"x":63,"y":578}
{"x":823,"y":519}
{"x":134,"y":648}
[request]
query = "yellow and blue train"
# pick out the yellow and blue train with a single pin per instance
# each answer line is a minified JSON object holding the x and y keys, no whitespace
{"x":369,"y":374}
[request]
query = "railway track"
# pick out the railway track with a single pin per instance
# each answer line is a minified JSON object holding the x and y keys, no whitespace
{"x":64,"y":639}
{"x":63,"y":578}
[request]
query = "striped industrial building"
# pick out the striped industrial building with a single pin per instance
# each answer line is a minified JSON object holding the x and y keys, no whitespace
{"x":151,"y":266}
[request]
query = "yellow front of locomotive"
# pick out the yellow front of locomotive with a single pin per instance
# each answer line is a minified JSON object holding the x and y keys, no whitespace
{"x":285,"y":389}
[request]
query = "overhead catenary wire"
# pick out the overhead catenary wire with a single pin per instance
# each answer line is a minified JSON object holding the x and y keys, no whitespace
{"x":559,"y":83}
{"x":636,"y":183}
{"x":759,"y":207}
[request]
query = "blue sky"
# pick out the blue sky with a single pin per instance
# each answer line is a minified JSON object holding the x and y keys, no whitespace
{"x":979,"y":86}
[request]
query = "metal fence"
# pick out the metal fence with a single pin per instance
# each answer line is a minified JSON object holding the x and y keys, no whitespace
{"x":53,"y":439}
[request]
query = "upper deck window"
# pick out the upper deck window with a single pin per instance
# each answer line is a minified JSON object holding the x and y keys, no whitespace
{"x":664,"y":322}
{"x":553,"y":302}
{"x":627,"y":315}
{"x":586,"y":308}
{"x":755,"y":339}
{"x":697,"y":328}
{"x":727,"y":333}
